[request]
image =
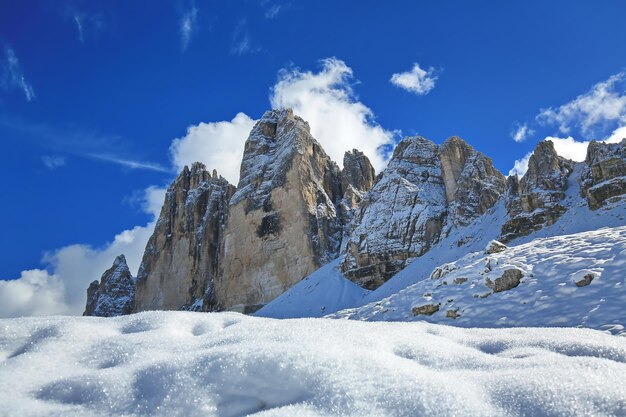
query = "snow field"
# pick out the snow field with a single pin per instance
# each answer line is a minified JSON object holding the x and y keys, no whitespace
{"x":227,"y":364}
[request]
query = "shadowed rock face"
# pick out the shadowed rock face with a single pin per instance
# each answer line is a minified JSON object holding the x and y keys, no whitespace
{"x":114,"y":294}
{"x":284,"y":220}
{"x":181,"y":259}
{"x":426,"y":190}
{"x":535,"y":201}
{"x":604,"y":178}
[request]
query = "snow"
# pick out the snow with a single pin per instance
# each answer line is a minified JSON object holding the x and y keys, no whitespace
{"x":227,"y":364}
{"x":325,"y":291}
{"x":546,"y":296}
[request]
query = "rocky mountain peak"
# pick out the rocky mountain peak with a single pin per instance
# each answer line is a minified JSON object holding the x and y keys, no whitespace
{"x":357,"y":172}
{"x":180,"y":263}
{"x":114,"y":294}
{"x":400,"y":217}
{"x":604,"y":177}
{"x":534,"y":201}
{"x":472,"y":183}
{"x":284,"y":220}
{"x":425,"y":191}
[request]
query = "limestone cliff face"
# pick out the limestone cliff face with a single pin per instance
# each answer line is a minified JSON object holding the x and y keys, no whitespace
{"x":473,"y":185}
{"x":424,"y":191}
{"x":604,"y":178}
{"x":535,"y":201}
{"x":181,"y":260}
{"x":400,"y":217}
{"x":114,"y":294}
{"x":283,"y":221}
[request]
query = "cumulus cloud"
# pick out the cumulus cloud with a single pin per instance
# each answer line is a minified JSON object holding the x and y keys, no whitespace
{"x":11,"y":75}
{"x":520,"y":166}
{"x":53,"y":161}
{"x":61,"y":288}
{"x":416,"y":80}
{"x":219,"y":145}
{"x":188,"y":24}
{"x":521,"y":132}
{"x":568,"y":148}
{"x":602,"y":107}
{"x":338,"y":120}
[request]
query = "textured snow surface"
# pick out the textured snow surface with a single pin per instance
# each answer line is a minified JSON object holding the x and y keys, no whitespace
{"x":226,"y":364}
{"x":546,"y":296}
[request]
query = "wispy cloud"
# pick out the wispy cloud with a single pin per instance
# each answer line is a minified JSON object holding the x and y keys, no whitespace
{"x":188,"y":25}
{"x":521,"y":132}
{"x":273,"y":11}
{"x":88,"y":25}
{"x":241,"y":43}
{"x":80,"y":143}
{"x":417,"y":81}
{"x":11,"y":75}
{"x":129,"y":163}
{"x":53,"y":161}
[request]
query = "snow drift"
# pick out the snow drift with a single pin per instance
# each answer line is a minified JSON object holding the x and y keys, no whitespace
{"x":227,"y":364}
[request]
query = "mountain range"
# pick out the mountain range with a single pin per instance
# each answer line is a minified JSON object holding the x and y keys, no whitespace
{"x":439,"y":235}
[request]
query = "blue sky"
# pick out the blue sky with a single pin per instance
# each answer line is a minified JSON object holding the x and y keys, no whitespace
{"x":93,"y":95}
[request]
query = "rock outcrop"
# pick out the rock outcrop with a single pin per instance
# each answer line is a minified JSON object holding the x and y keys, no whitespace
{"x":181,"y":260}
{"x":604,"y":178}
{"x":114,"y":294}
{"x":283,"y":221}
{"x":425,"y":190}
{"x":357,"y":177}
{"x":535,"y":201}
{"x":473,"y":185}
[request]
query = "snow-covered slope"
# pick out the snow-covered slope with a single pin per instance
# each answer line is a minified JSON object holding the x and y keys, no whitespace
{"x":227,"y":364}
{"x":460,"y":242}
{"x":573,"y":280}
{"x":325,"y":291}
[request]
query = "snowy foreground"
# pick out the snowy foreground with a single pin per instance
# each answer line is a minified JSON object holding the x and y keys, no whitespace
{"x":226,"y":364}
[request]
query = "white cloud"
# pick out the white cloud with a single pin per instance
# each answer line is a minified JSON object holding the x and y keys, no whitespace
{"x":602,"y":107}
{"x":417,"y":80}
{"x":338,"y":121}
{"x":34,"y":293}
{"x":520,"y":166}
{"x":521,"y":132}
{"x":53,"y":161}
{"x":568,"y":148}
{"x":12,"y":77}
{"x":188,"y":24}
{"x":63,"y":290}
{"x":219,"y":145}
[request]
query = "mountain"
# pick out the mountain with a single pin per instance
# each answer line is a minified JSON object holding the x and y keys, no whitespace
{"x":300,"y":237}
{"x":114,"y":294}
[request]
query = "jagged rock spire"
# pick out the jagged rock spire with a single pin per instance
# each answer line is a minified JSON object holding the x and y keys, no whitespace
{"x":181,"y":259}
{"x":114,"y":294}
{"x":534,"y":201}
